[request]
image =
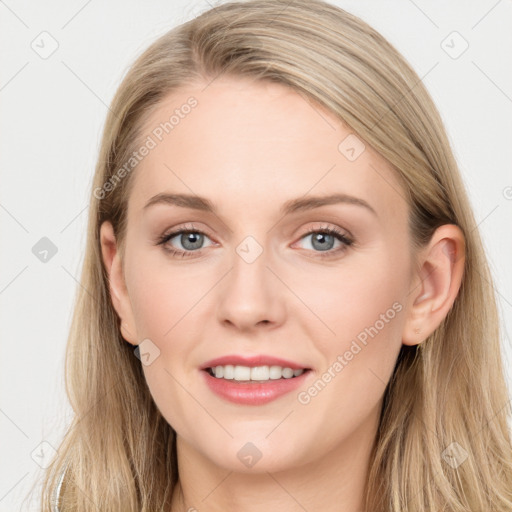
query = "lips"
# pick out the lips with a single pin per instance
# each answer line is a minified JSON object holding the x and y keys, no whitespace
{"x":254,"y":393}
{"x":253,"y":360}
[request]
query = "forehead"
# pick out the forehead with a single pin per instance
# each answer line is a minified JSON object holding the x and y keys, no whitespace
{"x":254,"y":141}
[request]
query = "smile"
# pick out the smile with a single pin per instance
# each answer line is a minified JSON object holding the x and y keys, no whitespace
{"x":238,"y":386}
{"x":256,"y":373}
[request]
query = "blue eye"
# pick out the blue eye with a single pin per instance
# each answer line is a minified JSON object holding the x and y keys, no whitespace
{"x":192,"y":240}
{"x":324,"y":239}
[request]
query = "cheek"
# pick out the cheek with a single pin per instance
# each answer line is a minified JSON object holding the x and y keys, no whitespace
{"x":358,"y":362}
{"x":162,"y":301}
{"x":363,"y":305}
{"x":357,"y":295}
{"x":161,"y":294}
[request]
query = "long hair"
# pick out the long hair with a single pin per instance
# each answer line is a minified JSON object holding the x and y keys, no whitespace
{"x":446,"y":396}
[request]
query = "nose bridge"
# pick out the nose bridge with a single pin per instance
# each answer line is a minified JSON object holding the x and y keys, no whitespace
{"x":250,"y":292}
{"x":249,"y":275}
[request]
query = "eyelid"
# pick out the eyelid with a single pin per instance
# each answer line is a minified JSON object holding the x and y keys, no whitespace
{"x":189,"y":226}
{"x":325,"y":226}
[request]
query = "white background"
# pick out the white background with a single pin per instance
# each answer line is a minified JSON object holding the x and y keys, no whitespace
{"x":53,"y":111}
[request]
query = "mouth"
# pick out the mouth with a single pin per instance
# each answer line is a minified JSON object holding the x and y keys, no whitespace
{"x":254,"y":386}
{"x":240,"y":374}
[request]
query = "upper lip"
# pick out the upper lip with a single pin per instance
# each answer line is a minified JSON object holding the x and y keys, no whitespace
{"x":252,"y":360}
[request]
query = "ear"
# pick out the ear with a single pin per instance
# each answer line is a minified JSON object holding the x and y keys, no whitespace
{"x":117,"y":286}
{"x":436,"y":284}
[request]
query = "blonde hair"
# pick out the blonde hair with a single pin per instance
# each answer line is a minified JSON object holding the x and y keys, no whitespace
{"x":119,"y":453}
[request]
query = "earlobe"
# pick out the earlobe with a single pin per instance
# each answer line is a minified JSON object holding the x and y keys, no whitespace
{"x":117,"y":286}
{"x":437,"y":283}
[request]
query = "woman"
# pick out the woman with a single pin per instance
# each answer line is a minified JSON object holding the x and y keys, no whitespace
{"x":285,"y":304}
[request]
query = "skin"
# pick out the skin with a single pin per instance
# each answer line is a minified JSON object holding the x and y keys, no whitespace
{"x":249,"y":147}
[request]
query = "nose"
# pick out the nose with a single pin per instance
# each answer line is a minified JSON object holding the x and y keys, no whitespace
{"x":251,"y":296}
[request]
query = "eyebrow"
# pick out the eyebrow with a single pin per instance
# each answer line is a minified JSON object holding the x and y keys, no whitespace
{"x":294,"y":205}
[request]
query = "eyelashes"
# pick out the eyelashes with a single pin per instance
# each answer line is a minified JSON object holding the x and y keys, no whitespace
{"x":336,"y":234}
{"x":324,"y":232}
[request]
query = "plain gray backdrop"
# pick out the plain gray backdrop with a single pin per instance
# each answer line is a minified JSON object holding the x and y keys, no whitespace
{"x":60,"y":66}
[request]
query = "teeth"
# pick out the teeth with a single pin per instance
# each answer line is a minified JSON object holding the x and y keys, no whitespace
{"x":259,"y":373}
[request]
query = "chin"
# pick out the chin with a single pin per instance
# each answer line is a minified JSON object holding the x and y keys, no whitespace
{"x":245,"y":456}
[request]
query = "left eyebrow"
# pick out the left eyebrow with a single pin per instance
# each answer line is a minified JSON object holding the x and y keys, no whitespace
{"x":294,"y":205}
{"x":309,"y":203}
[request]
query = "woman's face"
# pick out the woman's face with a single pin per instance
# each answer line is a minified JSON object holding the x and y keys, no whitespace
{"x":249,"y":280}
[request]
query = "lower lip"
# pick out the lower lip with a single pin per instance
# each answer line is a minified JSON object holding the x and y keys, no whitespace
{"x":253,"y":393}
